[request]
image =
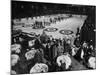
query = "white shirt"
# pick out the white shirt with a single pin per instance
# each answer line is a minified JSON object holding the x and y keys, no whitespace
{"x":31,"y":43}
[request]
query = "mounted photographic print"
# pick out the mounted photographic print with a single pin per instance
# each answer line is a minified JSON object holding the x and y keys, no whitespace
{"x":52,"y":37}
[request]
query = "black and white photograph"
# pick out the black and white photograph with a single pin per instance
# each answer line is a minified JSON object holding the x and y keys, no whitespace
{"x":52,"y":37}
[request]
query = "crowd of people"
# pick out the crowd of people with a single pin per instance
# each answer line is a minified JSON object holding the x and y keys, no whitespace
{"x":40,"y":22}
{"x":43,"y":53}
{"x":48,"y":20}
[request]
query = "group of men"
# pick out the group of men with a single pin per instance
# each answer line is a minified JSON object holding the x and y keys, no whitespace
{"x":54,"y":53}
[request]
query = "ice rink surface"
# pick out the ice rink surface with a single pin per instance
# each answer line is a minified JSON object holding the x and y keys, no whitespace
{"x":71,"y":23}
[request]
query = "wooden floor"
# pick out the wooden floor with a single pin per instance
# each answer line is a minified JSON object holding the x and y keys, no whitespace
{"x":77,"y":65}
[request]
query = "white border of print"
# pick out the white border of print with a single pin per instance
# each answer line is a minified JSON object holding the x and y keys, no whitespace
{"x":5,"y":36}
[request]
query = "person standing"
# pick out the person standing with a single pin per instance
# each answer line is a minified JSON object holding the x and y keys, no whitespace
{"x":60,"y":49}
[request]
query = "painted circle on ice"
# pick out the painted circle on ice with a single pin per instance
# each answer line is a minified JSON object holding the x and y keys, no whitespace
{"x":51,"y":29}
{"x":66,"y":32}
